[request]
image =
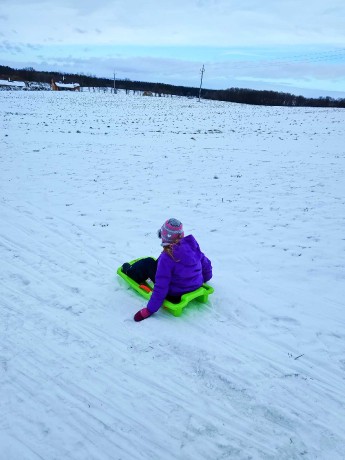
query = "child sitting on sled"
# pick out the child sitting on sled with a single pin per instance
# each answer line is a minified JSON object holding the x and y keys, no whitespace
{"x":180,"y":268}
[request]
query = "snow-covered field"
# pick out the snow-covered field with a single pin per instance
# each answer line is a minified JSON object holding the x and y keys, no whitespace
{"x":259,"y":372}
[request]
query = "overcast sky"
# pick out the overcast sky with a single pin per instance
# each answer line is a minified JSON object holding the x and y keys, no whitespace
{"x":296,"y":46}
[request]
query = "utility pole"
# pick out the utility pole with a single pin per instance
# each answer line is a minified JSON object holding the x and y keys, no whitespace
{"x":114,"y":82}
{"x":202,"y":74}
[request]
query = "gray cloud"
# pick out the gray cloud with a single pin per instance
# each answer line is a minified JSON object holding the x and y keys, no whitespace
{"x":33,"y":47}
{"x":206,"y":22}
{"x":10,"y":48}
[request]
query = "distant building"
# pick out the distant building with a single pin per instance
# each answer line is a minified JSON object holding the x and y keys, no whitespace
{"x":8,"y":84}
{"x":57,"y":86}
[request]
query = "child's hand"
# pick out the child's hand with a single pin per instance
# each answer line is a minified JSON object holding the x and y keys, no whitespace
{"x":142,"y":314}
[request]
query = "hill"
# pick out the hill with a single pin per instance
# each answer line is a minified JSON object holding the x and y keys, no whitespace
{"x":258,"y":372}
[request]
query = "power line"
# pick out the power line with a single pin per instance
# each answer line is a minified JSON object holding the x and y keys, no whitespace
{"x":309,"y":58}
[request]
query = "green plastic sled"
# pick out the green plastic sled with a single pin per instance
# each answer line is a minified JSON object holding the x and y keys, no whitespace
{"x":145,"y":290}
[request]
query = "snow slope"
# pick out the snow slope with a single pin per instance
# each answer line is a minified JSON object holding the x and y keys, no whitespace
{"x":259,"y":372}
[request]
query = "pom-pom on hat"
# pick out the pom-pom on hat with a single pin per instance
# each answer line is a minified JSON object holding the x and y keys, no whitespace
{"x":171,"y":231}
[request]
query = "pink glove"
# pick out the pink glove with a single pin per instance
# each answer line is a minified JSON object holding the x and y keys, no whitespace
{"x":142,"y":314}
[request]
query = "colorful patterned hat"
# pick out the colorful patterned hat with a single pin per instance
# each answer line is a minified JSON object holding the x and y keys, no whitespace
{"x":171,"y":231}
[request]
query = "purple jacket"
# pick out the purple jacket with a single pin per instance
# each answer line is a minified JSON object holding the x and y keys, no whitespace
{"x":187,"y":271}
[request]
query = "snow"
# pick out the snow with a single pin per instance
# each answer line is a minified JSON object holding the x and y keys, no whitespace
{"x":17,"y":84}
{"x":258,"y":372}
{"x":67,"y":85}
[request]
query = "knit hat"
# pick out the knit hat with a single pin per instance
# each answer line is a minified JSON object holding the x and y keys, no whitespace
{"x":171,"y":231}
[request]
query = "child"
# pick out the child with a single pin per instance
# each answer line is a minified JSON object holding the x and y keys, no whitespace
{"x":180,"y":268}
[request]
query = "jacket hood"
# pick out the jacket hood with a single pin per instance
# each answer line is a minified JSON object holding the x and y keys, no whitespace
{"x":187,"y":251}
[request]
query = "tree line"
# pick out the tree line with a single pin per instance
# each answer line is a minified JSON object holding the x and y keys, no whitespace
{"x":239,"y":95}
